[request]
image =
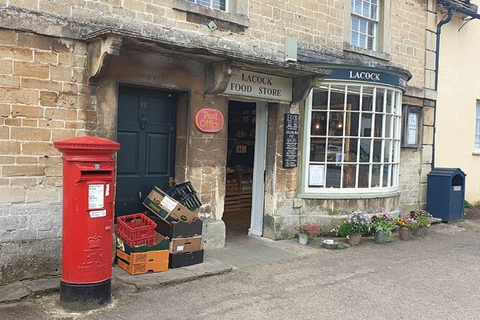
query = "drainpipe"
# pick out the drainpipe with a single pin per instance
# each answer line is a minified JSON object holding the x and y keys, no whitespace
{"x":445,"y":20}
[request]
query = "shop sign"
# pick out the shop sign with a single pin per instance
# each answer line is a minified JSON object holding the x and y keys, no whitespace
{"x":259,"y":85}
{"x":209,"y":120}
{"x":369,"y":76}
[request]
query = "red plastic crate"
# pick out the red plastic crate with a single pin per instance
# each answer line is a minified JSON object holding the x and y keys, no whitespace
{"x":136,"y":229}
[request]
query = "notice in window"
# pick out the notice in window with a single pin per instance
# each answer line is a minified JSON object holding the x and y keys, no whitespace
{"x":316,"y":175}
{"x":95,"y":196}
{"x":412,"y":128}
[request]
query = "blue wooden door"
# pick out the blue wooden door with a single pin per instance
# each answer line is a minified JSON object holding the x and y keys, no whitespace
{"x":146,"y":129}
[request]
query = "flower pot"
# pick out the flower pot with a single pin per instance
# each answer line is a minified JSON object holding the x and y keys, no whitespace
{"x":405,"y":233}
{"x":380,"y":237}
{"x":302,"y":238}
{"x":418,"y":231}
{"x":354,"y":239}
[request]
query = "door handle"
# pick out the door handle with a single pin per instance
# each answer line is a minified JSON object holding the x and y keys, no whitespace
{"x":171,"y":182}
{"x":143,"y":122}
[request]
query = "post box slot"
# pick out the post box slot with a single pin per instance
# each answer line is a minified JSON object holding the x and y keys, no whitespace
{"x":84,"y":175}
{"x":457,"y":180}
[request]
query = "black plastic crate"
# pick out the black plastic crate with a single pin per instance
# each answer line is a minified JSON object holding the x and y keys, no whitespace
{"x":185,"y":194}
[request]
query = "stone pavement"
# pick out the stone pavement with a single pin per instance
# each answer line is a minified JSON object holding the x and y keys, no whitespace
{"x":240,"y":253}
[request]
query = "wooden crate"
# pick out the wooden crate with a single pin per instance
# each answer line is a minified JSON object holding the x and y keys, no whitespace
{"x":139,"y":263}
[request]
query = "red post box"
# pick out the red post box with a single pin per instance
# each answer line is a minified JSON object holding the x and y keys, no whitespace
{"x":88,"y":181}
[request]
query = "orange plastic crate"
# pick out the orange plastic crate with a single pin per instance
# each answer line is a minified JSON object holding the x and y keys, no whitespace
{"x":142,"y":262}
{"x":136,"y":229}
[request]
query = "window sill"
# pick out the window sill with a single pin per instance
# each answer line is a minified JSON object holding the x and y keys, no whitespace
{"x":340,"y":196}
{"x":357,"y":50}
{"x":238,"y":19}
{"x":476,"y":153}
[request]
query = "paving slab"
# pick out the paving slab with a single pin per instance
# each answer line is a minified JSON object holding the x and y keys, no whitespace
{"x":13,"y":292}
{"x":237,"y":260}
{"x":177,"y":275}
{"x":42,"y":286}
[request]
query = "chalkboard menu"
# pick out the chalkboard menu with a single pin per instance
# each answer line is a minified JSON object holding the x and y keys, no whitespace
{"x":290,"y":141}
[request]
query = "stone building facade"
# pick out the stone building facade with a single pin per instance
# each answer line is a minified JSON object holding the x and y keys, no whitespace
{"x":67,"y":68}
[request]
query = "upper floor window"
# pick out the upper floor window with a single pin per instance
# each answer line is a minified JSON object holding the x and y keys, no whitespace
{"x":364,"y":23}
{"x":477,"y":128}
{"x":212,"y":4}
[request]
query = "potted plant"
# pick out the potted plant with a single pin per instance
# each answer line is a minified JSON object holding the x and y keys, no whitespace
{"x":383,"y":225}
{"x":307,"y":231}
{"x":423,"y":219}
{"x":407,"y":225}
{"x":357,"y":223}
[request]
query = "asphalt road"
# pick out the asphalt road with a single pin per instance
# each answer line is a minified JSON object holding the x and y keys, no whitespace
{"x":429,"y":277}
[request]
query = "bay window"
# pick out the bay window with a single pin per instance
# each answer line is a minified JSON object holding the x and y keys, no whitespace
{"x":352,"y":139}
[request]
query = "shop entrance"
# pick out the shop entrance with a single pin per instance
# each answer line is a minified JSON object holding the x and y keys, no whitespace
{"x":244,"y":194}
{"x":146,"y":130}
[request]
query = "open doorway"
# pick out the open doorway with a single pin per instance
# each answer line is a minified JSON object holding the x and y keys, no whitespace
{"x":244,"y":194}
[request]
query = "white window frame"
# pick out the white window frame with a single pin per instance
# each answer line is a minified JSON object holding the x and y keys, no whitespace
{"x":211,"y":5}
{"x":393,"y":164}
{"x":361,"y":16}
{"x":477,"y":129}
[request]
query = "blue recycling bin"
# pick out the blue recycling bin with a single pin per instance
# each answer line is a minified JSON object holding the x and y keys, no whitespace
{"x":446,"y":194}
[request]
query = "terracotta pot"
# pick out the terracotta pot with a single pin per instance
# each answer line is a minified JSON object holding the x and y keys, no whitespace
{"x":354,"y":239}
{"x":418,"y":231}
{"x":302,"y":238}
{"x":405,"y":233}
{"x":380,"y":237}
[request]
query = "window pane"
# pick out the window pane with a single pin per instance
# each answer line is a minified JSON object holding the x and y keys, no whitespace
{"x":219,"y":4}
{"x":354,"y":39}
{"x":379,"y":103}
{"x":204,"y":2}
{"x":319,"y":124}
{"x":333,"y":176}
{"x":337,"y":98}
{"x":365,"y":150}
{"x":374,"y":13}
{"x":317,"y":149}
{"x":334,"y":153}
{"x":357,"y":7}
{"x":370,"y":28}
{"x":377,"y":151}
{"x":366,"y":9}
{"x":389,"y":101}
{"x":386,"y":174}
{"x":336,"y":124}
{"x":363,"y":26}
{"x":394,"y":175}
{"x":387,"y":151}
{"x":378,"y":125}
{"x":351,"y":126}
{"x":388,"y":127}
{"x":320,"y":99}
{"x":349,"y":176}
{"x":363,"y":174}
{"x":353,"y":98}
{"x":367,"y":99}
{"x":366,"y":128}
{"x":370,"y":44}
{"x":351,"y":150}
{"x":376,"y":175}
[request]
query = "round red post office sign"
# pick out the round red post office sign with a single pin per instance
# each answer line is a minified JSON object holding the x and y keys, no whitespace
{"x":209,"y":120}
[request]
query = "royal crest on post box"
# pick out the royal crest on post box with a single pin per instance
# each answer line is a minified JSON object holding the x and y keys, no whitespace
{"x":209,"y":120}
